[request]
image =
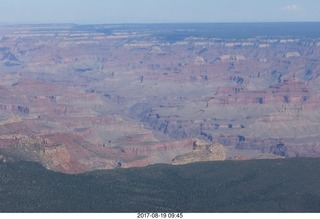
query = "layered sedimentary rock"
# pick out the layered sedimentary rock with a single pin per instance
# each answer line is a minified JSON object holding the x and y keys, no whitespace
{"x":202,"y":151}
{"x":78,"y":98}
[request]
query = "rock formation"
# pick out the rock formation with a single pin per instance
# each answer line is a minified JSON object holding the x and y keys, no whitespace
{"x":202,"y":151}
{"x":80,"y":98}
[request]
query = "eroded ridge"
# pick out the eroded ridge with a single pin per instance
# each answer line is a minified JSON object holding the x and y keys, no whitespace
{"x":78,"y":98}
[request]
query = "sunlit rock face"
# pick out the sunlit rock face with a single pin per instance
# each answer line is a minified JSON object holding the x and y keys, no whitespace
{"x":79,"y":98}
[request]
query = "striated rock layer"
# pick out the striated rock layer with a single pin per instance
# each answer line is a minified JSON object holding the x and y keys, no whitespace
{"x":79,"y":98}
{"x":202,"y":152}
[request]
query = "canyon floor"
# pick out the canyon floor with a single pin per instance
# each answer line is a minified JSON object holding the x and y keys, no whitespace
{"x":77,"y":98}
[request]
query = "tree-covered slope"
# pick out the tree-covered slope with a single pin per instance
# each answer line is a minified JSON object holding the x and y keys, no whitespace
{"x":282,"y":185}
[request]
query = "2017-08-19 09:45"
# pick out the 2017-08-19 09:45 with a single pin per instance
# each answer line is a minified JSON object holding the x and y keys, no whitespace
{"x":160,"y":215}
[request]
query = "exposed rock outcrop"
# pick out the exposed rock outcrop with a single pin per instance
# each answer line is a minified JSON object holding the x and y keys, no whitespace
{"x":95,"y":97}
{"x":202,"y":151}
{"x":199,"y":60}
{"x":232,"y":58}
{"x":292,"y":54}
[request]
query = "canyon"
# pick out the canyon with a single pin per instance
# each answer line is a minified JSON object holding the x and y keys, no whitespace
{"x":77,"y":98}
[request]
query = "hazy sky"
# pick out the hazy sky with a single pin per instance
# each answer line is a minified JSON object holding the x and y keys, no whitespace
{"x":155,"y":11}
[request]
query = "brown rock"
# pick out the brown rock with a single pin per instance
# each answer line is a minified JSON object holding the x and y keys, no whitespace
{"x":202,"y":151}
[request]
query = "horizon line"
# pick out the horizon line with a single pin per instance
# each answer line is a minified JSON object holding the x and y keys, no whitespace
{"x":154,"y":23}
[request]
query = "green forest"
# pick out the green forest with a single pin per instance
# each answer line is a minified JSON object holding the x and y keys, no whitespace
{"x":281,"y":185}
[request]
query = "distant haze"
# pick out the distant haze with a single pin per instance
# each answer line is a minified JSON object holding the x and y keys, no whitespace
{"x":156,"y":11}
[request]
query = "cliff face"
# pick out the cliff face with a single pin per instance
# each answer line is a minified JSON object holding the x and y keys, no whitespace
{"x":134,"y":98}
{"x":202,"y":151}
